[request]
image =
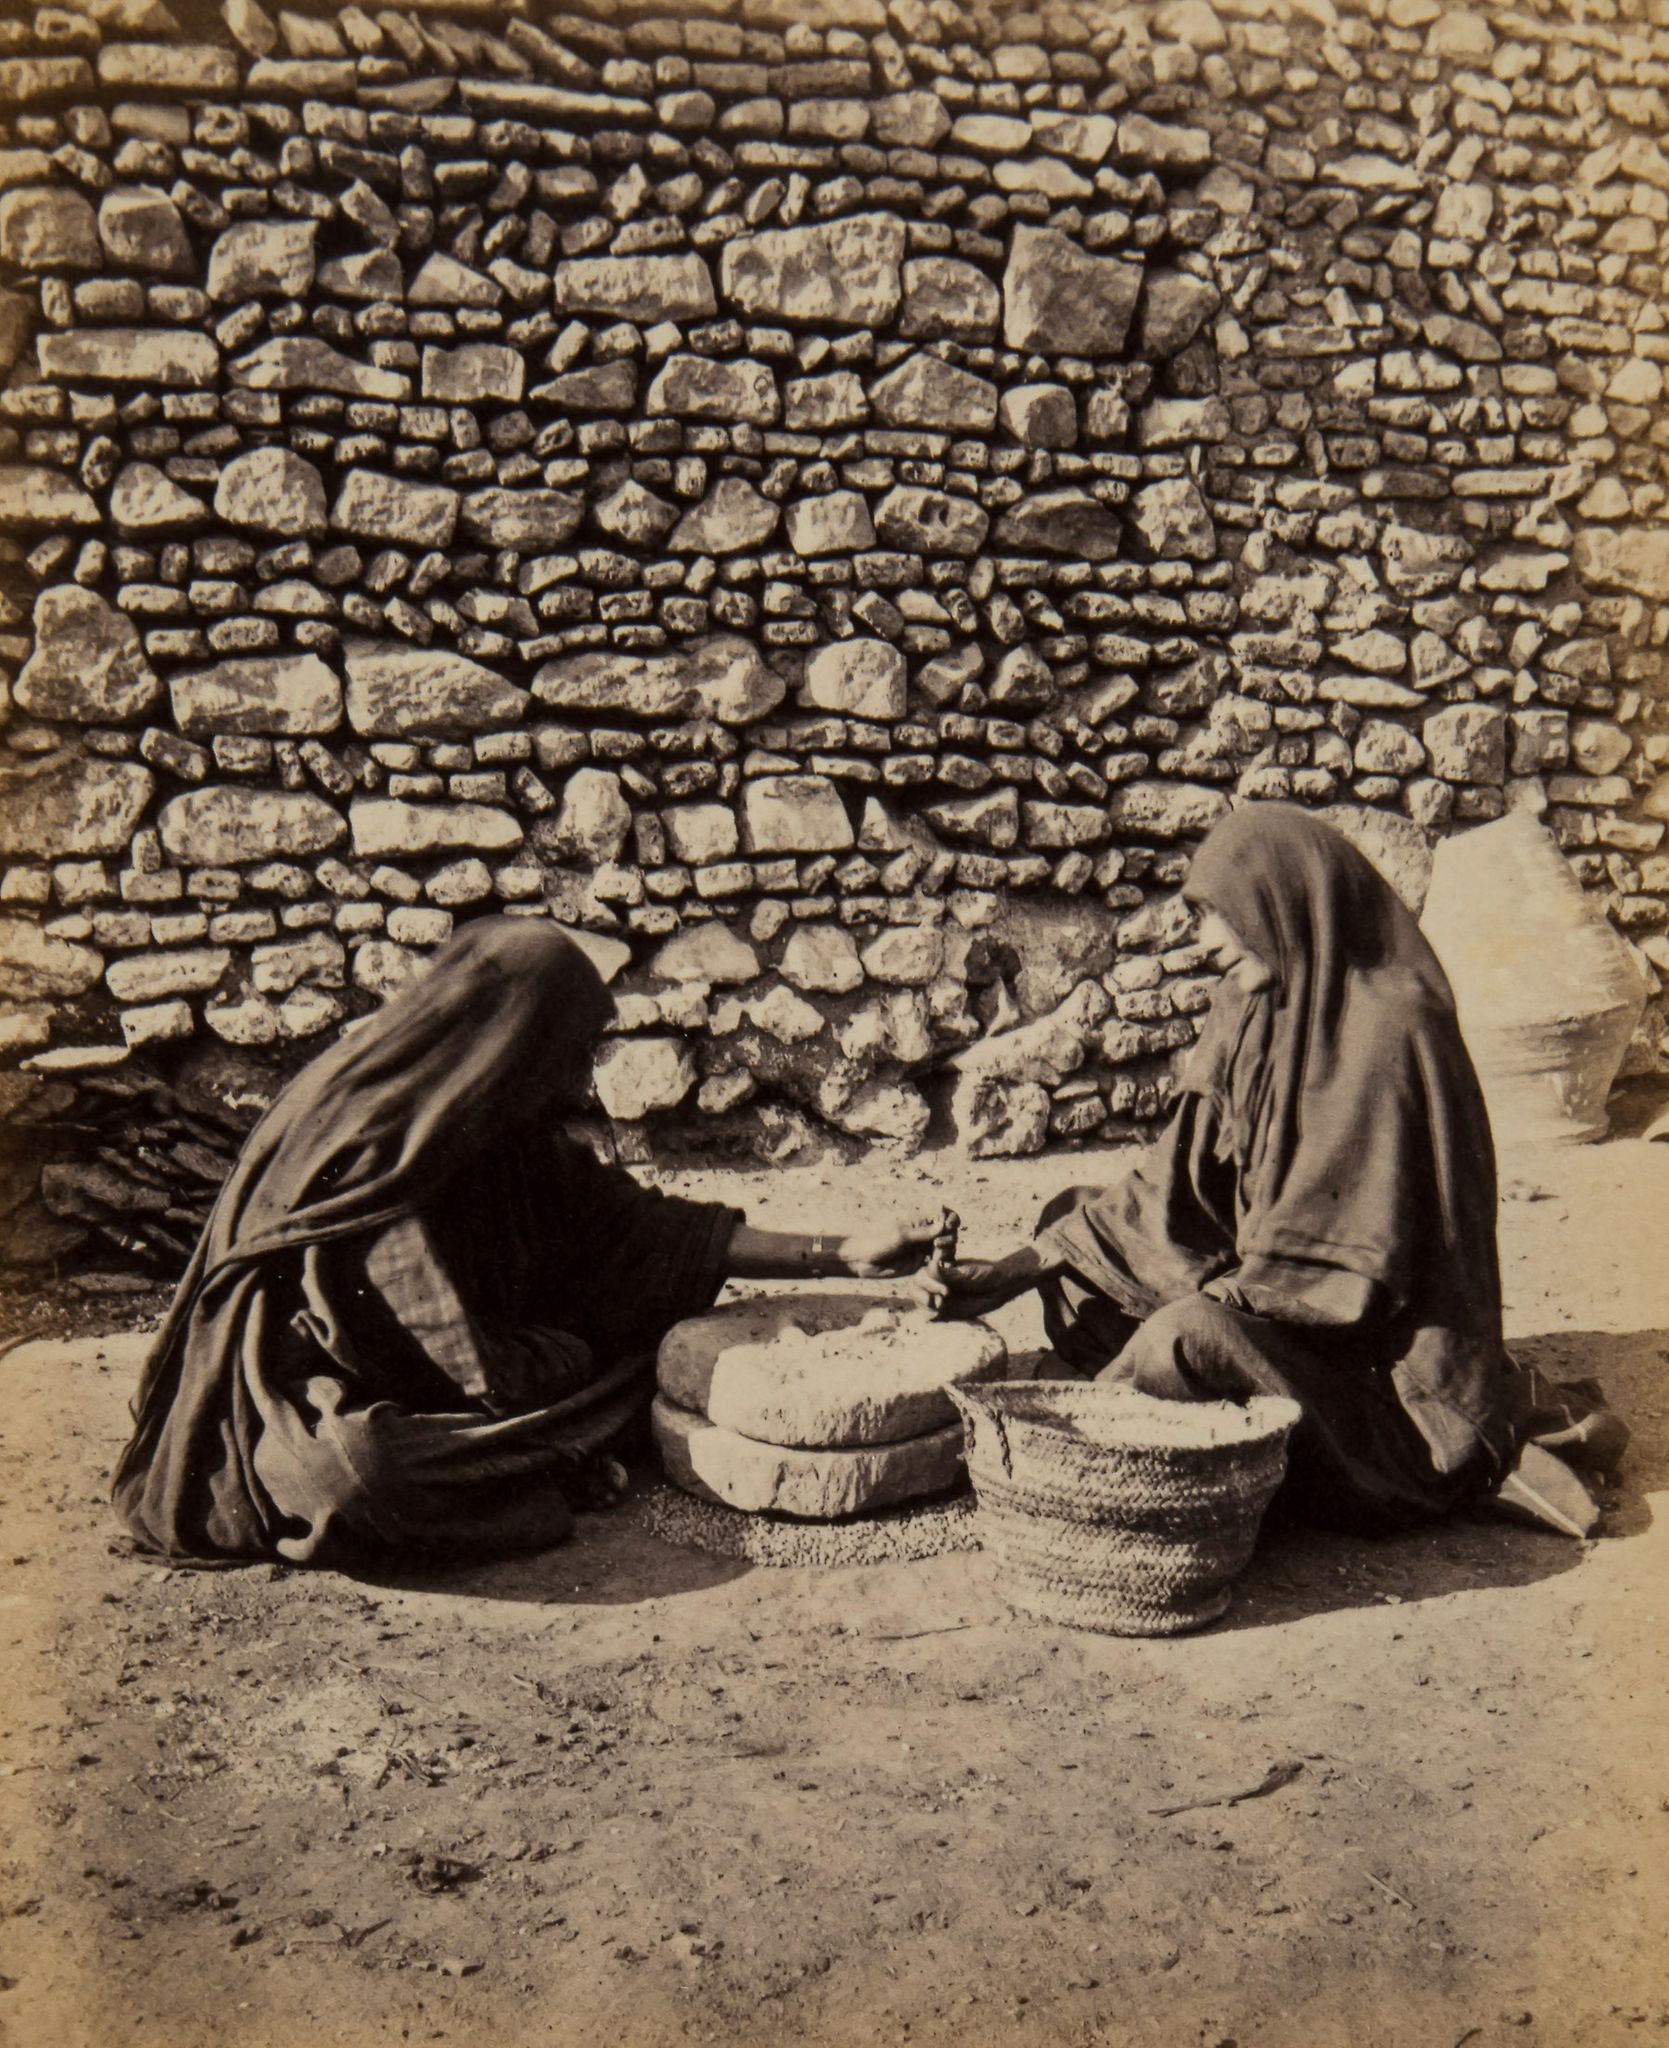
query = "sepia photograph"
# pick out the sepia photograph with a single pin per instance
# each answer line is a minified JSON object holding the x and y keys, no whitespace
{"x":834,"y":1023}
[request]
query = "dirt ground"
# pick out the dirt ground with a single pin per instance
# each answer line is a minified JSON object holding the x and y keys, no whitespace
{"x":629,"y":1794}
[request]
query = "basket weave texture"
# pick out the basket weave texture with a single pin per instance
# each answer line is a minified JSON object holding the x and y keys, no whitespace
{"x":1107,"y":1509}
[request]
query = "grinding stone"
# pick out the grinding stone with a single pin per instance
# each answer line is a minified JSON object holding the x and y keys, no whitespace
{"x":825,"y":1369}
{"x":718,"y":1464}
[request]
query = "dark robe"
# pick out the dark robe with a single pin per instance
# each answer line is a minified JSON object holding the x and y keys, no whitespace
{"x":417,"y":1308}
{"x":1318,"y":1217}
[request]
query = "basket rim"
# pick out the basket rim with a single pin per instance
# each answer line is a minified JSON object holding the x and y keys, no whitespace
{"x":1129,"y":1421}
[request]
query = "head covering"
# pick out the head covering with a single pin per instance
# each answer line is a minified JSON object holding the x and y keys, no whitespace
{"x":1344,"y":1085}
{"x":398,"y":1105}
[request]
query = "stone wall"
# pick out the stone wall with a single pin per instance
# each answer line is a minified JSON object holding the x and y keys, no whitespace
{"x":826,"y":502}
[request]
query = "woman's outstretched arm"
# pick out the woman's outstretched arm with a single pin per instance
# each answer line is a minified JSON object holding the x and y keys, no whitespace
{"x":875,"y":1251}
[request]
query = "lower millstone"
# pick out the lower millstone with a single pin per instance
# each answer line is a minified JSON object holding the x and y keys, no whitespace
{"x":721,"y":1465}
{"x":825,"y":1369}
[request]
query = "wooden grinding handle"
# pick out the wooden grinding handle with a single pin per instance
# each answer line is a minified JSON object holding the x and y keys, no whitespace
{"x":944,"y":1249}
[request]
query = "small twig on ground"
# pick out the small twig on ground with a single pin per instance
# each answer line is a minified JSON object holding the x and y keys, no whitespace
{"x":909,"y":1635}
{"x":1391,"y":1892}
{"x":1272,"y":1780}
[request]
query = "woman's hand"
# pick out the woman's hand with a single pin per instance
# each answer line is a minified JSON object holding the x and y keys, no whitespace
{"x":974,"y":1287}
{"x":887,"y":1251}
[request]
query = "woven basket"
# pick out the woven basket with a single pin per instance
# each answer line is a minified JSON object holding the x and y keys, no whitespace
{"x":1107,"y":1509}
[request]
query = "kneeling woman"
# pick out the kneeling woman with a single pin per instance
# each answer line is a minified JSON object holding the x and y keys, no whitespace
{"x":418,"y":1312}
{"x":1318,"y":1217}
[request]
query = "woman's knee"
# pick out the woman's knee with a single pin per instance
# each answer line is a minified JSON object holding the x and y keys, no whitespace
{"x":1182,"y":1352}
{"x":1063,"y":1204}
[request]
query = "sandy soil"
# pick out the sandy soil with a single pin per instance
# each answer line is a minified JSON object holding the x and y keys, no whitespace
{"x":623,"y":1793}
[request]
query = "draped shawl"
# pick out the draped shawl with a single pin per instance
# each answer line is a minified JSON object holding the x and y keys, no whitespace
{"x":1329,"y":1160}
{"x":410,"y":1308}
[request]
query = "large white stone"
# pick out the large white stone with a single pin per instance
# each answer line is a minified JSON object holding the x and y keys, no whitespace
{"x":634,"y":1077}
{"x":862,"y":678}
{"x":259,"y":693}
{"x":88,"y":666}
{"x":400,"y":692}
{"x":225,"y":827}
{"x":794,"y":814}
{"x":815,"y":1485}
{"x":709,"y":952}
{"x":270,"y":490}
{"x":825,"y":1369}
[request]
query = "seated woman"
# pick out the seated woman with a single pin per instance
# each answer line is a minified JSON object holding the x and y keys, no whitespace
{"x":1317,"y":1219}
{"x":418,"y":1312}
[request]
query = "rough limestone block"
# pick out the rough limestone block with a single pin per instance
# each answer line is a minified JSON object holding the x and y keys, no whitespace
{"x":824,"y":958}
{"x":794,"y":814}
{"x":298,"y":362}
{"x":709,"y":952}
{"x":845,"y":272}
{"x":1175,"y":306}
{"x":906,"y":955}
{"x":909,"y":120}
{"x":141,"y":229}
{"x":496,"y":518}
{"x":1467,"y":743}
{"x":634,"y":515}
{"x":478,"y":370}
{"x":221,"y":826}
{"x":992,"y":820}
{"x":1041,"y":415}
{"x":1163,"y":146}
{"x":169,"y":68}
{"x":43,"y":497}
{"x":367,"y":275}
{"x":262,"y":259}
{"x":835,"y":400}
{"x":1165,"y":810}
{"x":862,"y":678}
{"x":926,"y":391}
{"x":1067,"y":522}
{"x":1059,"y":301}
{"x":34,"y":965}
{"x":825,"y":1369}
{"x":25,"y":79}
{"x":634,"y":1077}
{"x":143,"y":500}
{"x":641,"y":288}
{"x":993,"y":1118}
{"x":386,"y":827}
{"x":1173,"y":519}
{"x":946,"y":297}
{"x":731,"y":518}
{"x":43,"y":227}
{"x":699,"y":833}
{"x":710,"y":388}
{"x":642,"y":686}
{"x":834,"y":524}
{"x":375,"y":507}
{"x":152,"y":977}
{"x":441,"y":280}
{"x":278,"y":693}
{"x":132,"y":355}
{"x":594,"y":818}
{"x":88,"y":666}
{"x":918,"y":520}
{"x":58,"y":807}
{"x":270,"y":490}
{"x":400,"y":692}
{"x":739,"y":1472}
{"x":1634,"y":558}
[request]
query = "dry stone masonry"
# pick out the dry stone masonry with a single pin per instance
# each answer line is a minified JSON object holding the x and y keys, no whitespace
{"x":826,"y":501}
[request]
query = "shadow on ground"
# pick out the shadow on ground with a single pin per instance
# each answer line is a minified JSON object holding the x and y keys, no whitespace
{"x":1300,"y":1572}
